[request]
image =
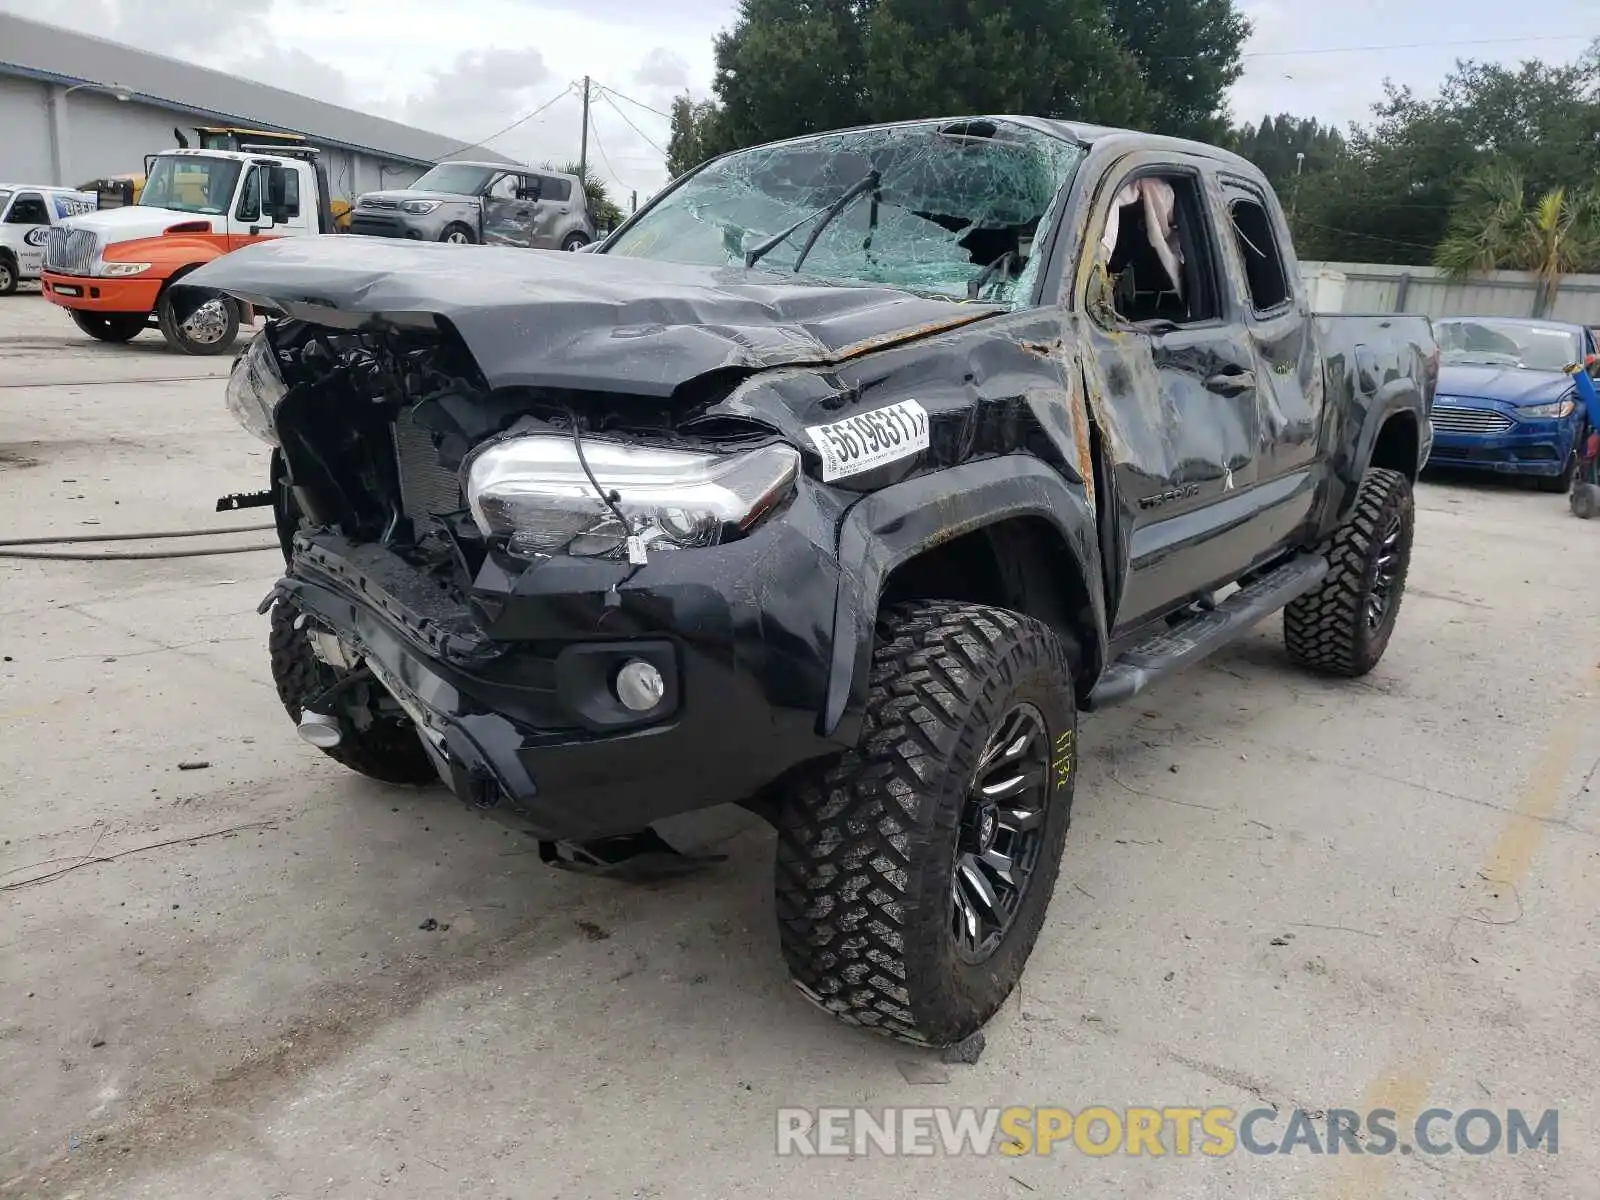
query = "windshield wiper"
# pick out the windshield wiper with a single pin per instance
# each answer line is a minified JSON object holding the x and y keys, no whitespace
{"x":823,"y":216}
{"x":975,"y":288}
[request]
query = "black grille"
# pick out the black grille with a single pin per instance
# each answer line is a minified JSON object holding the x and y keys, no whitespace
{"x":375,"y":226}
{"x":427,"y":490}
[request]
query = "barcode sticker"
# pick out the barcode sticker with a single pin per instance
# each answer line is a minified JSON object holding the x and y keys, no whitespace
{"x":870,"y":439}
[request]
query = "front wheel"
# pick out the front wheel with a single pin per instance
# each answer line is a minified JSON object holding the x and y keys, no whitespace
{"x":458,"y":235}
{"x":1561,"y":484}
{"x":1344,"y":626}
{"x":377,"y":739}
{"x":211,"y":327}
{"x":914,"y":873}
{"x":8,"y":275}
{"x":110,"y":327}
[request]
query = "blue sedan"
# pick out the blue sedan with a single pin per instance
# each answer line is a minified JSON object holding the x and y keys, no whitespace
{"x":1506,"y":401}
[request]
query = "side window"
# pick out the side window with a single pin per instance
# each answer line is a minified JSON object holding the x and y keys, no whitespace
{"x":28,"y":209}
{"x":283,"y":193}
{"x":503,"y":188}
{"x":250,"y":197}
{"x":555,"y":189}
{"x":1156,"y":262}
{"x":1258,"y":250}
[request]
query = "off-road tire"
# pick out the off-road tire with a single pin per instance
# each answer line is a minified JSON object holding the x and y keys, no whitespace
{"x":867,"y":846}
{"x":467,"y":238}
{"x":388,"y":749}
{"x":172,"y":327}
{"x":10,"y":274}
{"x":1327,"y":629}
{"x":110,"y":327}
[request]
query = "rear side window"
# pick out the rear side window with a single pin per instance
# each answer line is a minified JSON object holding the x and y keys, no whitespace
{"x":555,"y":188}
{"x":1258,"y":250}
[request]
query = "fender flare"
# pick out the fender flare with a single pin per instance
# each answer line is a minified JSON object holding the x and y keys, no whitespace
{"x":1392,"y":399}
{"x":893,"y":526}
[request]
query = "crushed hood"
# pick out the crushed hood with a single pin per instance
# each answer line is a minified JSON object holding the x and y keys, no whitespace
{"x":540,"y":318}
{"x":1509,"y":385}
{"x":135,"y":221}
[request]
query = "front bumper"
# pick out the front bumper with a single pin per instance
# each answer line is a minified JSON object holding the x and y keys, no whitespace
{"x":514,"y":693}
{"x":1528,"y":448}
{"x":395,"y":224}
{"x":91,"y":293}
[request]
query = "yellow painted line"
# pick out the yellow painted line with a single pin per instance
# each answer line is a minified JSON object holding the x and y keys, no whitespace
{"x":1403,"y":1085}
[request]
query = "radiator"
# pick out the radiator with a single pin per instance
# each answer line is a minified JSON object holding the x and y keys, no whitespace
{"x":427,"y":490}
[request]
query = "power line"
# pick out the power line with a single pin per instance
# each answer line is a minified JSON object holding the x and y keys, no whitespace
{"x":594,"y":129}
{"x":605,"y":94}
{"x":638,"y":103}
{"x":523,"y":120}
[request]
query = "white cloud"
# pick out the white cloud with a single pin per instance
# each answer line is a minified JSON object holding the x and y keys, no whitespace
{"x":469,"y":70}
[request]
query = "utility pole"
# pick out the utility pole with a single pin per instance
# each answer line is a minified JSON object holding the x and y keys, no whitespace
{"x":583,"y":146}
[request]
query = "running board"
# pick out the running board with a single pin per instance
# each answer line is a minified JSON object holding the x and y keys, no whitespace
{"x":1206,"y":632}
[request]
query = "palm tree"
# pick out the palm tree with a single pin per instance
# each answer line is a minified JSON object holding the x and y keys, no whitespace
{"x":607,"y":214}
{"x":1494,"y":228}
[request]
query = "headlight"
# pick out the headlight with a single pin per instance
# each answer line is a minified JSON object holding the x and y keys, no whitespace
{"x":534,"y":492}
{"x":1555,"y":409}
{"x":123,"y":268}
{"x":254,"y":389}
{"x":420,"y":208}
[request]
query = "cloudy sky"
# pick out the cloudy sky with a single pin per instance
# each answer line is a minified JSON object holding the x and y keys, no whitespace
{"x":468,"y":70}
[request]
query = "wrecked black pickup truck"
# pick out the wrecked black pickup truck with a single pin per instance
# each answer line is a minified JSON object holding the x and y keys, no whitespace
{"x":836,"y":483}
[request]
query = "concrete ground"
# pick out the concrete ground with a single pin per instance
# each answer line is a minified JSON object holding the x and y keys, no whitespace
{"x":1278,"y":891}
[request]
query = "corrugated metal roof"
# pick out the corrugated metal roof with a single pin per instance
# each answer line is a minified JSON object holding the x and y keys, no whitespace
{"x":35,"y":50}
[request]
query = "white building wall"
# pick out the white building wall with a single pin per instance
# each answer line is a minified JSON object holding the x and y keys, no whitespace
{"x":104,"y":136}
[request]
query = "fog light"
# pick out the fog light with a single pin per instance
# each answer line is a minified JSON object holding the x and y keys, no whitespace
{"x":639,"y":686}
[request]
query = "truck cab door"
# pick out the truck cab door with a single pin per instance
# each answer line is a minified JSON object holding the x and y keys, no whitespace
{"x":244,"y":221}
{"x":1171,"y":376}
{"x":508,"y":212}
{"x":291,"y":200}
{"x":1277,"y":318}
{"x":27,"y":224}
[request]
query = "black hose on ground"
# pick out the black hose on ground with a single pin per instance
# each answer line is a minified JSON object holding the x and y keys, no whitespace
{"x":131,"y":556}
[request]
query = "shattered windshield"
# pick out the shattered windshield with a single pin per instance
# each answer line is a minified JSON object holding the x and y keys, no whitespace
{"x":456,"y":179}
{"x":1507,"y":344}
{"x":933,"y":207}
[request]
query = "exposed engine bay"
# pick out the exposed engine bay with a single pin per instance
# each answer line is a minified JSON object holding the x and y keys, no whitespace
{"x":378,"y":429}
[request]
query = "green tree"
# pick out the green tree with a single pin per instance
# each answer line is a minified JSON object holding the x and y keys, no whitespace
{"x":1494,"y":227}
{"x":1391,"y":197}
{"x":790,"y":67}
{"x":694,"y":136}
{"x":1276,"y":144}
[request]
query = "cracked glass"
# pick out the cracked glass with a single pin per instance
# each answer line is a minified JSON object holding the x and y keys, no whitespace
{"x":939,"y":208}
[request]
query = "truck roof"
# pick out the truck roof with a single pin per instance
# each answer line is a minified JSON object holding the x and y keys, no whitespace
{"x":235,"y":155}
{"x":1078,"y":132}
{"x":40,"y":187}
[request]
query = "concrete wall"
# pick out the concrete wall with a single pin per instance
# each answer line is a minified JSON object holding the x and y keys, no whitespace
{"x":100,"y":135}
{"x":1379,"y":288}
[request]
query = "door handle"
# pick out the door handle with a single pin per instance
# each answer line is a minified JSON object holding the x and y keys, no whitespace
{"x":1231,"y":382}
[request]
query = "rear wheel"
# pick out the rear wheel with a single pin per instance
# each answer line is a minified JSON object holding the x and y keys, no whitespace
{"x":209,"y":327}
{"x":1344,"y":626}
{"x":458,"y":234}
{"x":110,"y":327}
{"x":575,"y":242}
{"x":914,"y":873}
{"x":377,"y":739}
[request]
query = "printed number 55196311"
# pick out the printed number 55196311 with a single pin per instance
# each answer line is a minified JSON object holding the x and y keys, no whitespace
{"x":870,"y":439}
